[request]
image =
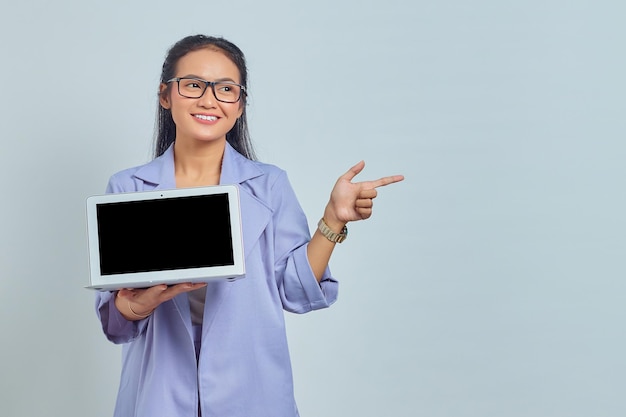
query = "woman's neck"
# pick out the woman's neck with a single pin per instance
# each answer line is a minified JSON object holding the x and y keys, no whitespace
{"x":198,"y":164}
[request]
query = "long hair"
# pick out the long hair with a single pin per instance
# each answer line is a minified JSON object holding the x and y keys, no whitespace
{"x":238,"y":136}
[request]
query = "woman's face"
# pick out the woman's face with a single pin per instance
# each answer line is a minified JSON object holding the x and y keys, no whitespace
{"x":202,"y":119}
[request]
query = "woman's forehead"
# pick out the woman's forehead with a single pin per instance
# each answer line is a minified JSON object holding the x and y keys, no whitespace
{"x":208,"y":64}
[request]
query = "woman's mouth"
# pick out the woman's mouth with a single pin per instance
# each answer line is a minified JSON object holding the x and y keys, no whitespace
{"x":204,"y":117}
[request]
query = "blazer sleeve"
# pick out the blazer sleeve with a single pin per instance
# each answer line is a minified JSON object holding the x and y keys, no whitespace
{"x":299,"y":290}
{"x":116,"y":328}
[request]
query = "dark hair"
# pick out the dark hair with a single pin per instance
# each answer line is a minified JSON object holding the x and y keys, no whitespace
{"x":238,"y":136}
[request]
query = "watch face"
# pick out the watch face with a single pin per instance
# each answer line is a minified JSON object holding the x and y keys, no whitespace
{"x":342,"y":236}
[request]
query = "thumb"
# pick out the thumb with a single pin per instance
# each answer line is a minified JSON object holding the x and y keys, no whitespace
{"x":352,"y":172}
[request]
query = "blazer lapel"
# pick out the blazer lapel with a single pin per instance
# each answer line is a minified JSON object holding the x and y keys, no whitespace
{"x":255,"y":216}
{"x":159,"y":173}
{"x":255,"y":213}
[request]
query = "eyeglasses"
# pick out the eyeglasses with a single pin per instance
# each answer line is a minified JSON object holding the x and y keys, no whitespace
{"x":224,"y":91}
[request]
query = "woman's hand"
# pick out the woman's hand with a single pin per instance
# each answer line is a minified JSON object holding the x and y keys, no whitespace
{"x":139,"y":303}
{"x":350,"y":201}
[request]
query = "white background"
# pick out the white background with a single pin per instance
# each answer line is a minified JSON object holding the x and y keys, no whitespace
{"x":489,"y":283}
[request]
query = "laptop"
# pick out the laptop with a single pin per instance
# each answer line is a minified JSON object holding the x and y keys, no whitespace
{"x":141,"y":239}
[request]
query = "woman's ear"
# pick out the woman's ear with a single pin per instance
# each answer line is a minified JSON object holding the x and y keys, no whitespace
{"x":164,"y":97}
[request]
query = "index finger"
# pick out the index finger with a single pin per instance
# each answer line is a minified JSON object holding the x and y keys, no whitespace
{"x":381,"y":182}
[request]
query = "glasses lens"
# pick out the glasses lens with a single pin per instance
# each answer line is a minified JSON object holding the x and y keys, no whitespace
{"x":227,"y":92}
{"x":191,"y":88}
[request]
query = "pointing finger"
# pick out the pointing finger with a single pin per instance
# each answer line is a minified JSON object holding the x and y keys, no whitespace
{"x":381,"y":182}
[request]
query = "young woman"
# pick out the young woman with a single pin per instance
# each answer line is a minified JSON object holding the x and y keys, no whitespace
{"x":220,"y":349}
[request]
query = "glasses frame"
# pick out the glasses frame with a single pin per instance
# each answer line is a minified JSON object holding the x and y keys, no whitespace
{"x":207,"y":84}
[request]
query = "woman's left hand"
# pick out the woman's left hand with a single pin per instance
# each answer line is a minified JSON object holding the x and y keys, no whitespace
{"x":350,"y":201}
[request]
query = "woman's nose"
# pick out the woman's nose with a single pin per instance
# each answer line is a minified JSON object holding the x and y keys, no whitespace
{"x":208,"y":98}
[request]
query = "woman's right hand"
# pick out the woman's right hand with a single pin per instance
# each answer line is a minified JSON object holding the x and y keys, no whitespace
{"x":139,"y":303}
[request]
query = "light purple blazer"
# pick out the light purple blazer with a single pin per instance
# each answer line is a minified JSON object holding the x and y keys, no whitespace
{"x":244,"y":368}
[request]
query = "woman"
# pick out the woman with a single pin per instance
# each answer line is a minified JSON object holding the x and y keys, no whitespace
{"x":220,"y":349}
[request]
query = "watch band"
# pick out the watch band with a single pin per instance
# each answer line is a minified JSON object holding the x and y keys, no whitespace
{"x":329,"y":234}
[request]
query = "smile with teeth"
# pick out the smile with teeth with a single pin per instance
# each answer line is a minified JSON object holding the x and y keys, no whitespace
{"x":203,"y":117}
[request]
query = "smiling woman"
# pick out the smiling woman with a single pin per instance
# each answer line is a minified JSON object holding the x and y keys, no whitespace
{"x":236,"y":329}
{"x":203,"y":119}
{"x":238,"y":136}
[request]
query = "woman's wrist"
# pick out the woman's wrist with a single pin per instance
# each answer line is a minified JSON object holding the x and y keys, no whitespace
{"x":332,"y":221}
{"x":125,"y":308}
{"x":138,"y":316}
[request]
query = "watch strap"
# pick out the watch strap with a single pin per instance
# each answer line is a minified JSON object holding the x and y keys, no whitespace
{"x":329,"y":234}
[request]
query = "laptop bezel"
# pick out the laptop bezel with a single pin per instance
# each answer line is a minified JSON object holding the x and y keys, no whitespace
{"x":110,"y":282}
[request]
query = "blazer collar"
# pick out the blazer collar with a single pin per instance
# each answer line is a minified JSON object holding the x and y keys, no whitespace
{"x":235,"y":169}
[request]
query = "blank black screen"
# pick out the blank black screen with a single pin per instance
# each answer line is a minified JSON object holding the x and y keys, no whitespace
{"x":165,"y":234}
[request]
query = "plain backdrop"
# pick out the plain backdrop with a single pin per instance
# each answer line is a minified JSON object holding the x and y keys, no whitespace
{"x":489,"y":283}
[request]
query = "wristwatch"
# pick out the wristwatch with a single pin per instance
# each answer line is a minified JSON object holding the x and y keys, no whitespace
{"x":329,"y":234}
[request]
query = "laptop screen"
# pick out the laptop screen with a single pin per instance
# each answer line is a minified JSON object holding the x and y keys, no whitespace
{"x":164,"y":234}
